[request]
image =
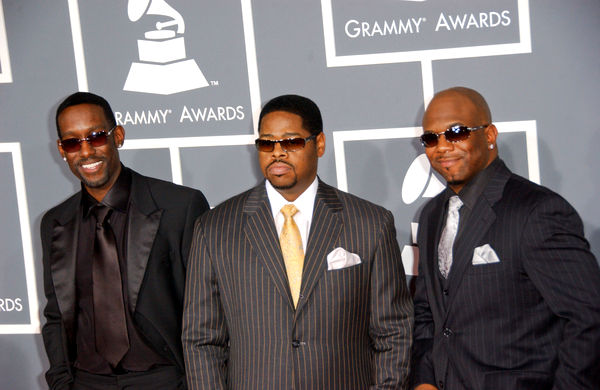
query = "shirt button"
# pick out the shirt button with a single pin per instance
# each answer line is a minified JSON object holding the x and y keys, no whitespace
{"x":447,"y":332}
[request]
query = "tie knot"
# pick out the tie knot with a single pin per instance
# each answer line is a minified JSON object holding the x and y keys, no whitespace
{"x":289,"y":210}
{"x":101,"y":212}
{"x":455,"y":203}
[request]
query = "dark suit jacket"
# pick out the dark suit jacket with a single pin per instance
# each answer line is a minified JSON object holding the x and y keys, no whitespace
{"x":352,"y":328}
{"x":530,"y":321}
{"x":159,"y":231}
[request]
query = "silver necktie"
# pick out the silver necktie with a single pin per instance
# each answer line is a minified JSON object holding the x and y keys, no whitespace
{"x":448,"y":236}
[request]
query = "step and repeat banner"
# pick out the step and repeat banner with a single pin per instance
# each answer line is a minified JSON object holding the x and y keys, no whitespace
{"x":187,"y":79}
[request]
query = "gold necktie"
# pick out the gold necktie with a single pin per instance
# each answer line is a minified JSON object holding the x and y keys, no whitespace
{"x":291,"y":248}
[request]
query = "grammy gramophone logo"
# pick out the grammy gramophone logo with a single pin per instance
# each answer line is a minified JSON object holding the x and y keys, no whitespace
{"x":162,"y":68}
{"x":420,"y":181}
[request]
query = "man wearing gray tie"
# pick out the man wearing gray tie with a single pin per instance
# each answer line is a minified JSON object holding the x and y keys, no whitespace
{"x":508,"y":293}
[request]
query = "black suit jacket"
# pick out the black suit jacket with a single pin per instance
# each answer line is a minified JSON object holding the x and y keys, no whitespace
{"x":530,"y":321}
{"x":159,"y":231}
{"x":352,"y":328}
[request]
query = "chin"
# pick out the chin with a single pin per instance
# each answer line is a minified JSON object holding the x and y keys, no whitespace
{"x":94,"y":183}
{"x":282,"y":185}
{"x":455,"y":182}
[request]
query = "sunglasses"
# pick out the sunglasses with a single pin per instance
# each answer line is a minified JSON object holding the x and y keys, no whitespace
{"x":288,"y":144}
{"x":96,"y":139}
{"x":453,"y":134}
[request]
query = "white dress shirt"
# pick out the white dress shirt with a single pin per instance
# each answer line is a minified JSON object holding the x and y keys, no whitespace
{"x":305,"y":204}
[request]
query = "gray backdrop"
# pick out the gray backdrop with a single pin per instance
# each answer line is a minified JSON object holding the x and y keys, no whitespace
{"x":188,"y":95}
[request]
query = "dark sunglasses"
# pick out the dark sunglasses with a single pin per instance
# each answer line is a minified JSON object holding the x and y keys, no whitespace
{"x":288,"y":144}
{"x":453,"y":134}
{"x":96,"y":139}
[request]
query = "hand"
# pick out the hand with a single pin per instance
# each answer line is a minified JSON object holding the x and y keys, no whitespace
{"x":425,"y":386}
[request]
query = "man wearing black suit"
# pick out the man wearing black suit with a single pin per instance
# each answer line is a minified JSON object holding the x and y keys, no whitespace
{"x":259,"y":314}
{"x":114,"y":258}
{"x":508,"y":293}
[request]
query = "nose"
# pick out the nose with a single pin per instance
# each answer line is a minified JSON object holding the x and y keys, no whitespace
{"x":86,"y":149}
{"x":278,"y":150}
{"x":443,"y":143}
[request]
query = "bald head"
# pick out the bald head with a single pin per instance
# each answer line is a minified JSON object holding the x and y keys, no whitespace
{"x":477,"y":101}
{"x":458,"y":161}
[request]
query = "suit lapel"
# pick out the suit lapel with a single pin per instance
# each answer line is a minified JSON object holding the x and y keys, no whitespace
{"x":259,"y":228}
{"x":144,"y":220}
{"x":63,"y":255}
{"x":481,"y":219}
{"x":325,"y":229}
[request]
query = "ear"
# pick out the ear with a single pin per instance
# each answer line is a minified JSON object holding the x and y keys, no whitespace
{"x":63,"y":155}
{"x":119,"y":136}
{"x":320,"y":140}
{"x":491,"y":133}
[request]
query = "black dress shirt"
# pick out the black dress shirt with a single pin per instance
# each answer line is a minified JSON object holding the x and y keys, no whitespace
{"x":140,"y":356}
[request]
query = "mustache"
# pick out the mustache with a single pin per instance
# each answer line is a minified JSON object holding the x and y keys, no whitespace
{"x":280,"y":161}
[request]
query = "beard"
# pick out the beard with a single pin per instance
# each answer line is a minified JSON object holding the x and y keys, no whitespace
{"x":455,"y":182}
{"x":285,"y":186}
{"x":92,"y":182}
{"x":95,"y":183}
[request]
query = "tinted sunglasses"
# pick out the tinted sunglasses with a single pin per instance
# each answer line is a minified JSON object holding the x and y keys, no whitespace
{"x":96,"y":139}
{"x":288,"y":144}
{"x":453,"y":134}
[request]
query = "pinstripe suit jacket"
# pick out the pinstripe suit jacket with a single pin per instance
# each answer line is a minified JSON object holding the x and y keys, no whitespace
{"x":352,"y":328}
{"x":530,"y":321}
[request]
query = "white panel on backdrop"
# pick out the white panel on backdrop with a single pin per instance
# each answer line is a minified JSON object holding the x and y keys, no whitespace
{"x":14,"y":148}
{"x":146,"y":77}
{"x":5,"y":72}
{"x":165,"y":65}
{"x":175,"y":144}
{"x":427,"y":28}
{"x":411,"y":22}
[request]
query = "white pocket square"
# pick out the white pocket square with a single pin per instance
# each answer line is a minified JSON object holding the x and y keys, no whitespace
{"x":485,"y":255}
{"x":340,"y":258}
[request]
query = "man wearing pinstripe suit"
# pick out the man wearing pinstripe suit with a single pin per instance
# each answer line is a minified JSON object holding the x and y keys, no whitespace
{"x":350,"y":324}
{"x":517,"y":305}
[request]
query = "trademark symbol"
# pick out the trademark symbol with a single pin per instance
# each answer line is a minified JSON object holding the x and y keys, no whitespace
{"x":214,"y":82}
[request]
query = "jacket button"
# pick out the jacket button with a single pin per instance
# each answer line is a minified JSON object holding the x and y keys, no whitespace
{"x":441,"y":384}
{"x":295,"y":343}
{"x":447,"y":332}
{"x":445,"y":291}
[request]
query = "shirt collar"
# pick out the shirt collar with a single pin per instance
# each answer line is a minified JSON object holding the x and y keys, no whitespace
{"x":471,"y":192}
{"x":117,"y":198}
{"x":304,"y":203}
